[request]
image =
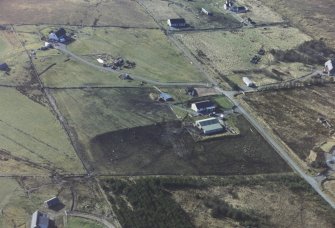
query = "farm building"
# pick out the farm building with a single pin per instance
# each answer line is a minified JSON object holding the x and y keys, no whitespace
{"x":39,"y":220}
{"x":4,"y":67}
{"x":51,"y":203}
{"x":203,"y":106}
{"x":329,"y":68}
{"x":209,"y":126}
{"x":176,"y":23}
{"x":248,"y":82}
{"x":238,"y":9}
{"x":165,"y":97}
{"x":58,"y":36}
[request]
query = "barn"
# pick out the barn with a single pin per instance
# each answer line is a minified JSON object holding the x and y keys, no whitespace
{"x":203,"y":106}
{"x":177,"y":23}
{"x":209,"y":126}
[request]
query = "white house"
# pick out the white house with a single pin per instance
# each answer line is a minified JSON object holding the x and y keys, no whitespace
{"x":203,"y":106}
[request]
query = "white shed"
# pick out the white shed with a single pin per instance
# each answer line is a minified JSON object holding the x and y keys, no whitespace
{"x":248,"y":82}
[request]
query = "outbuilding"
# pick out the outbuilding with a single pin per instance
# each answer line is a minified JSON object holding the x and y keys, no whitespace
{"x":203,"y":106}
{"x":52,"y":203}
{"x":209,"y":126}
{"x":165,"y":97}
{"x":238,"y":9}
{"x":248,"y":82}
{"x":4,"y":67}
{"x":177,"y":23}
{"x":329,"y":68}
{"x":39,"y":220}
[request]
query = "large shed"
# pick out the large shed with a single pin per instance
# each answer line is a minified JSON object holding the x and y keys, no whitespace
{"x":209,"y":126}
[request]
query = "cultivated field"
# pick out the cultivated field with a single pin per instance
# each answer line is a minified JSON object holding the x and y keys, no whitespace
{"x":311,"y":16}
{"x":155,"y":56}
{"x":75,"y":12}
{"x":293,"y":114}
{"x":237,"y":201}
{"x":229,"y":53}
{"x":30,"y":131}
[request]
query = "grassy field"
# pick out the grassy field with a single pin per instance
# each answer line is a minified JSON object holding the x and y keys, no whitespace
{"x":74,"y":222}
{"x":100,"y":111}
{"x":228,"y":52}
{"x":76,"y":12}
{"x":236,"y":201}
{"x":155,"y":57}
{"x":30,"y":131}
{"x":293,"y":115}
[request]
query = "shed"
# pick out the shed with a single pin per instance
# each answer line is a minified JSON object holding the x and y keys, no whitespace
{"x":238,"y":9}
{"x":4,"y":67}
{"x":165,"y":97}
{"x":203,"y":10}
{"x":248,"y":82}
{"x":329,"y":68}
{"x":51,"y":203}
{"x":39,"y":220}
{"x":203,"y":106}
{"x":209,"y":126}
{"x":176,"y":23}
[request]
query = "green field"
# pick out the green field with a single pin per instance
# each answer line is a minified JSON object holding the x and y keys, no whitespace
{"x":98,"y":111}
{"x":73,"y":222}
{"x":155,"y":57}
{"x":29,"y":130}
{"x":224,"y":102}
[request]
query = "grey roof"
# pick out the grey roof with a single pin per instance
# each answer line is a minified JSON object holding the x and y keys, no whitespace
{"x":210,"y":125}
{"x":165,"y":97}
{"x":52,"y":202}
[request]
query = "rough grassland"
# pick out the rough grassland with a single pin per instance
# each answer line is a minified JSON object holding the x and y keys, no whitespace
{"x":293,"y":115}
{"x":229,"y":51}
{"x":29,"y":130}
{"x":74,"y":222}
{"x":314,"y":17}
{"x":74,"y":12}
{"x":155,"y":57}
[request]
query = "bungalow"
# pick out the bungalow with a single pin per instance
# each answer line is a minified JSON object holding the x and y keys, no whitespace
{"x":51,"y":203}
{"x":203,"y":106}
{"x":165,"y":97}
{"x":209,"y":126}
{"x":39,"y":220}
{"x":176,"y":23}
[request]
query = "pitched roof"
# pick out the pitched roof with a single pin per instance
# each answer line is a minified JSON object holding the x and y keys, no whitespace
{"x":210,"y":125}
{"x":204,"y":104}
{"x":52,"y":202}
{"x":177,"y":21}
{"x":61,"y":32}
{"x":165,"y":97}
{"x":40,"y":220}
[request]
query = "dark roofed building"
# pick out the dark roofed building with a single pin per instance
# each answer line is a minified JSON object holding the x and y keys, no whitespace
{"x":203,"y":106}
{"x":51,"y":203}
{"x":4,"y":67}
{"x":60,"y":33}
{"x":239,"y":9}
{"x":165,"y":97}
{"x":39,"y":220}
{"x":177,"y":22}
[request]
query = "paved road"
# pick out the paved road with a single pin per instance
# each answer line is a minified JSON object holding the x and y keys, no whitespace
{"x":279,"y":148}
{"x":63,"y":49}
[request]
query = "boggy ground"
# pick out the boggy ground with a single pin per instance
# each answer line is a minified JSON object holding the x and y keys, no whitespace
{"x":167,"y":148}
